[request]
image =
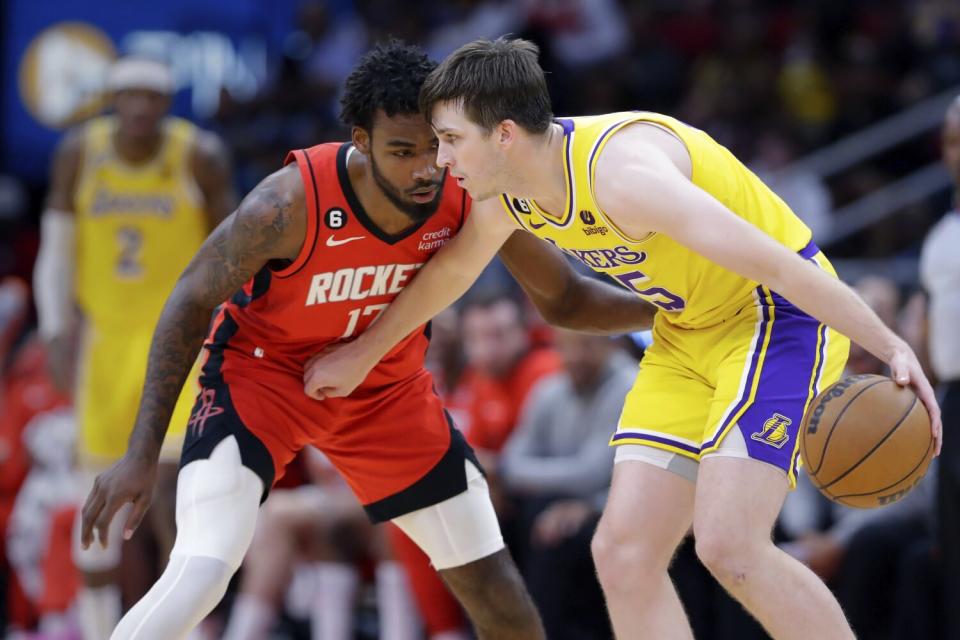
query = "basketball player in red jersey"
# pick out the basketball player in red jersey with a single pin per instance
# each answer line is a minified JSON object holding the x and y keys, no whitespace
{"x":309,"y":259}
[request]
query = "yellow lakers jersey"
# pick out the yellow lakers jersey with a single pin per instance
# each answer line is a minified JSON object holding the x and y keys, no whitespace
{"x":137,"y":225}
{"x":690,"y":290}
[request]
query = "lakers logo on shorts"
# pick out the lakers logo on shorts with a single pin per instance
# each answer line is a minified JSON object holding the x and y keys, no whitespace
{"x":774,"y":432}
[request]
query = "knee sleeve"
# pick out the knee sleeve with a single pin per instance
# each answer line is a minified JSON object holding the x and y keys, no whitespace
{"x":217,"y":504}
{"x":458,"y":530}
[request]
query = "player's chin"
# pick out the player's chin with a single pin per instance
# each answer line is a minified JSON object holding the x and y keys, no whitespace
{"x":480,"y":196}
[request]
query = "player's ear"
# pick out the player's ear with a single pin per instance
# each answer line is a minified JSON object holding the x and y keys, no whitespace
{"x":361,"y":140}
{"x":506,"y":132}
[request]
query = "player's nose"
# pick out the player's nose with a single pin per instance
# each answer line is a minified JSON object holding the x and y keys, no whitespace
{"x":426,"y":171}
{"x":444,"y":158}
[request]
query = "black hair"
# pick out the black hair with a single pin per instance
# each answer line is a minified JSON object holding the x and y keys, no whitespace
{"x":388,"y":77}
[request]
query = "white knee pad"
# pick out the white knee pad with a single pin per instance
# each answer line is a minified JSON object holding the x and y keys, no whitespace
{"x":95,"y":558}
{"x":217,"y":504}
{"x":458,"y":530}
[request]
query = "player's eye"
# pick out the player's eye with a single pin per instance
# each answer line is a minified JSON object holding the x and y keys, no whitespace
{"x":403,"y":154}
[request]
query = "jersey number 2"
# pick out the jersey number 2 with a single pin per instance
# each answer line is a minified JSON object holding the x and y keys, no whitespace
{"x":129,"y":263}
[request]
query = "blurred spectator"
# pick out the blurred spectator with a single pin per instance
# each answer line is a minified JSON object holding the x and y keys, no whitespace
{"x":940,"y":274}
{"x":583,"y":33}
{"x":503,"y":367}
{"x":804,"y":88}
{"x":881,"y":295}
{"x":298,"y":101}
{"x":18,"y":238}
{"x":26,"y":393}
{"x":447,"y":362}
{"x":936,"y":27}
{"x":48,"y":488}
{"x":468,"y":20}
{"x":650,"y":73}
{"x":557,"y":466}
{"x":802,"y":190}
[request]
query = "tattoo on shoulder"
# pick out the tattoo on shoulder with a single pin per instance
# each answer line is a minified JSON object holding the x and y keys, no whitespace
{"x":264,"y":221}
{"x":281,"y":219}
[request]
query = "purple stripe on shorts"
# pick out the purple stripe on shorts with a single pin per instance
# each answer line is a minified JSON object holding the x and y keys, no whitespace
{"x":815,"y":381}
{"x":772,"y":421}
{"x":632,"y":435}
{"x":821,"y":356}
{"x":754,"y":361}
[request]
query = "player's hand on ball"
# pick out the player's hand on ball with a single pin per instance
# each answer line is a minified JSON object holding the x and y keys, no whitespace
{"x":905,"y":370}
{"x":335,"y":372}
{"x":129,"y":480}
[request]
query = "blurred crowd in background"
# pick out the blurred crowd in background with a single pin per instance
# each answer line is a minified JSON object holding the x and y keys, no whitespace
{"x":773,"y":81}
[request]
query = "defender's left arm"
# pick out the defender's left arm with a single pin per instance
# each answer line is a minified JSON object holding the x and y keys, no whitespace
{"x":642,"y":190}
{"x":569,"y":299}
{"x":211,"y":169}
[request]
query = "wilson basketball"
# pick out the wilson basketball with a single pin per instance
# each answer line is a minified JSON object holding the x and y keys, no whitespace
{"x":865,"y":441}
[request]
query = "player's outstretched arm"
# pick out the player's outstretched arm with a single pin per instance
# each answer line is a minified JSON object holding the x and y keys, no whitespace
{"x":569,"y":299}
{"x":446,"y":276}
{"x":643,"y":191}
{"x":269,"y":224}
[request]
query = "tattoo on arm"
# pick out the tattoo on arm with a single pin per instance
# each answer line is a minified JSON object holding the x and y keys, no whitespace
{"x":263,"y":228}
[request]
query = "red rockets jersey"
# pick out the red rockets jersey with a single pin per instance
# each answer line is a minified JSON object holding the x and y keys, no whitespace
{"x":347,"y":273}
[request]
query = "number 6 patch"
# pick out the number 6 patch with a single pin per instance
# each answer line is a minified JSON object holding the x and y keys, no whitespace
{"x":335,"y":218}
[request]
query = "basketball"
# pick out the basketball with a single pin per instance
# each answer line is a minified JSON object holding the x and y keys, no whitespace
{"x":866,"y":442}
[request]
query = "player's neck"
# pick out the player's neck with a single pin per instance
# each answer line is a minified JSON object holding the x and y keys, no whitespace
{"x":137,"y":150}
{"x":543,"y":177}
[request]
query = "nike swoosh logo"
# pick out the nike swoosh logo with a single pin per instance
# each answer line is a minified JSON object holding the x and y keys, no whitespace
{"x":534,"y":225}
{"x":333,"y":242}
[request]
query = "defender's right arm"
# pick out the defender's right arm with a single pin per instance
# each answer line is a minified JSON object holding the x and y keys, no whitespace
{"x":269,"y":224}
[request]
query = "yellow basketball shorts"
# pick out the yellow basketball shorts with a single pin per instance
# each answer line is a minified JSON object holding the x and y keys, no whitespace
{"x":112,"y":370}
{"x":756,"y":372}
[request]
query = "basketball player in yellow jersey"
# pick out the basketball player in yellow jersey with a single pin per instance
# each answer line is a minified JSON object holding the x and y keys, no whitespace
{"x":743,"y":300}
{"x":132,"y":198}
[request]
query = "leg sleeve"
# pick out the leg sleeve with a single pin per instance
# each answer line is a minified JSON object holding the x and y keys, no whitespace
{"x":217,"y":503}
